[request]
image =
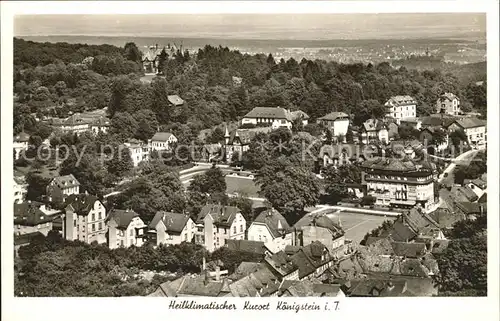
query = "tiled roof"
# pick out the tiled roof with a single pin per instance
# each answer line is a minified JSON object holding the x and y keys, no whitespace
{"x":394,"y":164}
{"x":309,"y":258}
{"x":66,"y":181}
{"x":122,"y":217}
{"x":445,"y":217}
{"x":101,"y":122}
{"x":174,"y":222}
{"x":470,"y":122}
{"x":81,"y":203}
{"x":244,"y":136}
{"x":198,"y":286}
{"x":22,"y":137}
{"x":244,"y":269}
{"x":30,"y":214}
{"x":269,"y":112}
{"x":262,"y":282}
{"x":448,"y":96}
{"x":469,"y":208}
{"x":350,"y":151}
{"x":320,"y":221}
{"x":281,"y":263}
{"x":222,"y":215}
{"x":175,"y":100}
{"x":479,"y":182}
{"x":377,"y":288}
{"x":401,"y":101}
{"x":408,"y":249}
{"x":334,"y":116}
{"x":246,"y":246}
{"x":401,"y":232}
{"x":26,"y":238}
{"x":275,"y":222}
{"x":161,"y":136}
{"x":151,"y":54}
{"x":463,"y":194}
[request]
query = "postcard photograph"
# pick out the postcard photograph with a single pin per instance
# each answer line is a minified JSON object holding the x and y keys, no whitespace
{"x":250,"y":156}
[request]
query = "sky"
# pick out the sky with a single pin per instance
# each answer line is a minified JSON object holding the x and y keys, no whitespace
{"x":259,"y":26}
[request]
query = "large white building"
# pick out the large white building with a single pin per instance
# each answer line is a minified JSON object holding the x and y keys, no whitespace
{"x":217,"y":223}
{"x":338,"y":122}
{"x":60,"y":187}
{"x":162,"y":141}
{"x":138,"y":151}
{"x":275,"y":117}
{"x":401,"y":107}
{"x":20,"y":143}
{"x":271,"y":228}
{"x":20,"y":190}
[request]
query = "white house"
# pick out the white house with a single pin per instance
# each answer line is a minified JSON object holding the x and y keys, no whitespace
{"x":449,"y":104}
{"x":162,"y":141}
{"x":374,"y":129}
{"x":217,"y":223}
{"x":401,"y":107}
{"x":73,"y":124}
{"x":100,"y":125}
{"x":172,"y":228}
{"x":20,"y":190}
{"x":271,"y":228}
{"x":62,"y":186}
{"x":125,"y":228}
{"x":338,"y":122}
{"x":138,"y":151}
{"x":275,"y":117}
{"x":85,"y":219}
{"x":474,"y":129}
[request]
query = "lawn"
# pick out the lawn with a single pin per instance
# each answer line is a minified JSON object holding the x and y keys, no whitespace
{"x":357,"y":225}
{"x":242,"y":186}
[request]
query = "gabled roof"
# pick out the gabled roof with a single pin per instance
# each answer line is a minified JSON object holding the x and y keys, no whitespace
{"x":309,"y":258}
{"x":175,"y":100}
{"x":123,"y":218}
{"x":470,"y":122}
{"x":406,"y":249}
{"x":30,"y":214}
{"x":65,"y":181}
{"x":322,"y":221}
{"x":374,"y":125}
{"x":396,"y":164}
{"x":377,"y":288}
{"x":222,"y":215}
{"x":261,"y":282}
{"x":81,"y":203}
{"x":22,"y":137}
{"x":244,"y":136}
{"x":162,"y":136}
{"x":101,"y":122}
{"x":445,"y":217}
{"x":281,"y":263}
{"x":269,"y":112}
{"x":350,"y":151}
{"x":275,"y":222}
{"x":196,"y":286}
{"x":244,"y":269}
{"x":470,"y":208}
{"x":334,"y":116}
{"x":174,"y":222}
{"x":463,"y":194}
{"x":246,"y":246}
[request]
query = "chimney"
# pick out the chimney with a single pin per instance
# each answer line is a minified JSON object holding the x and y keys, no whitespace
{"x":481,"y":209}
{"x":217,"y":273}
{"x":156,"y":46}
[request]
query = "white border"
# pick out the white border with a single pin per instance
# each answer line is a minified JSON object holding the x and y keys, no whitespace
{"x":150,"y":308}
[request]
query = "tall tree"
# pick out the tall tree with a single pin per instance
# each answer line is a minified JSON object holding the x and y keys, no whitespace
{"x":132,"y":53}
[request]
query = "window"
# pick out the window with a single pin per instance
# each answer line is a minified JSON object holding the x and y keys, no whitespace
{"x":185,"y":237}
{"x":93,"y":227}
{"x":225,"y":231}
{"x":100,"y":225}
{"x":234,"y":229}
{"x":93,"y":216}
{"x":100,"y":215}
{"x":132,"y":232}
{"x":74,"y":223}
{"x":241,"y":228}
{"x":122,"y":243}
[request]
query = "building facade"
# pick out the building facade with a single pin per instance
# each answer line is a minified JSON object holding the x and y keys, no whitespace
{"x":138,"y":151}
{"x":172,"y":228}
{"x":474,"y":129}
{"x":125,"y":228}
{"x":85,"y":219}
{"x":449,"y":104}
{"x":399,"y":183}
{"x":32,"y":217}
{"x":162,"y":141}
{"x":338,"y":122}
{"x":271,"y":228}
{"x":274,"y":117}
{"x":401,"y":107}
{"x":217,"y":223}
{"x":61,"y":187}
{"x":21,"y":143}
{"x":20,"y":190}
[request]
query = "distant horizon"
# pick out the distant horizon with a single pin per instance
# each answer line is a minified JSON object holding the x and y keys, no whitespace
{"x":296,"y":27}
